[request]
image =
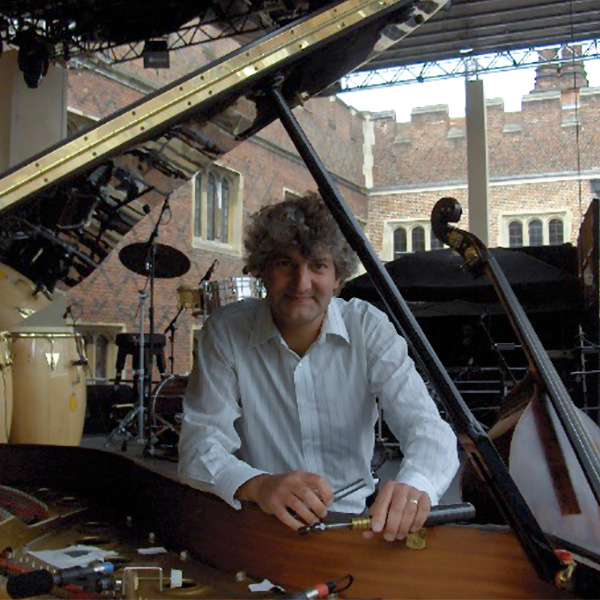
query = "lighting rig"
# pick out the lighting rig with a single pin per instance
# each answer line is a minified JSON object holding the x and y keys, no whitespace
{"x":48,"y":31}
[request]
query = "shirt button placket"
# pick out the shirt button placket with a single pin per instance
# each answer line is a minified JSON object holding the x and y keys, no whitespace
{"x":307,"y":411}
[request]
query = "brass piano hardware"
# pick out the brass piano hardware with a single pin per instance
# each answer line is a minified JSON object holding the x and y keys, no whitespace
{"x":564,"y":577}
{"x":416,"y":540}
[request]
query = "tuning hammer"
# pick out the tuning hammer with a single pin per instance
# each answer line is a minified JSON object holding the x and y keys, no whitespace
{"x":443,"y":513}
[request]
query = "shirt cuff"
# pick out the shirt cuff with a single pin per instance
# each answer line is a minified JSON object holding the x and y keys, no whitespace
{"x":418,"y":481}
{"x":230,"y":479}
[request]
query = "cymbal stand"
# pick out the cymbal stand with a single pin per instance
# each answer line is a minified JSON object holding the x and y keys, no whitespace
{"x":150,"y":269}
{"x":144,"y":374}
{"x":137,"y":413}
{"x":142,"y":371}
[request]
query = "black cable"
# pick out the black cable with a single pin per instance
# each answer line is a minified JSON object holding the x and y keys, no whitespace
{"x":342,"y":588}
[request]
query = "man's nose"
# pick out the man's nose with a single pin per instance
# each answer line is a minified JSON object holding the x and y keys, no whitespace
{"x":302,"y":280}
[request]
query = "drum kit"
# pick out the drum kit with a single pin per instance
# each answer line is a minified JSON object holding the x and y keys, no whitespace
{"x":158,"y":411}
{"x":156,"y":417}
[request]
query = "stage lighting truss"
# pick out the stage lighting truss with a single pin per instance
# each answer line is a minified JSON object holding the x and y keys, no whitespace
{"x":64,"y":38}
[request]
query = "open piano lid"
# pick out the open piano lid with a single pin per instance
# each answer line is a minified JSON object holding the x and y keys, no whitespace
{"x":65,"y":209}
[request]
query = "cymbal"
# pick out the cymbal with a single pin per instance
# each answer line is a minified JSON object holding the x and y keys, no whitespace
{"x":168,"y":261}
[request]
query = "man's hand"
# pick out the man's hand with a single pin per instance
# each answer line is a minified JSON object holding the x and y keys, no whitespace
{"x":306,"y":494}
{"x":398,"y":510}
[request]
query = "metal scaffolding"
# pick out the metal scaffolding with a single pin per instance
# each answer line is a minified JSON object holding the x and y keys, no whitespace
{"x":470,"y":66}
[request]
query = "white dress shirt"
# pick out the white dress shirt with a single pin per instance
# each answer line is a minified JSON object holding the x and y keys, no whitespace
{"x":254,"y":406}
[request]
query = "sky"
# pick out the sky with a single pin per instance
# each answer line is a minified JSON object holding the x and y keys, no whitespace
{"x":511,"y":86}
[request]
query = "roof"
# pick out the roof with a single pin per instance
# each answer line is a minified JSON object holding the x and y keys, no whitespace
{"x":476,"y":27}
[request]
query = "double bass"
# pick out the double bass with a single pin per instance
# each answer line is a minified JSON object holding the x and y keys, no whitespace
{"x":552,"y":448}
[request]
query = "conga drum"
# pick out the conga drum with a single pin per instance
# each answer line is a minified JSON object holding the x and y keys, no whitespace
{"x":19,"y":298}
{"x":49,"y":387}
{"x":6,"y":392}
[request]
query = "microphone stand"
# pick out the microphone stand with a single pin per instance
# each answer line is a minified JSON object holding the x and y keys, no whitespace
{"x":147,"y":373}
{"x":170,"y":329}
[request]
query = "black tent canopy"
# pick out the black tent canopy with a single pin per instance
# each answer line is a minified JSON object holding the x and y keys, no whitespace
{"x":435,"y":283}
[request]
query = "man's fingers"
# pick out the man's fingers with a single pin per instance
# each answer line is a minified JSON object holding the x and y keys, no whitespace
{"x":423,"y":510}
{"x":314,"y":503}
{"x":368,"y":534}
{"x":396,"y":518}
{"x":380,"y":507}
{"x":408,"y":512}
{"x":321,"y":488}
{"x":286,"y":518}
{"x":302,"y":510}
{"x":399,"y":509}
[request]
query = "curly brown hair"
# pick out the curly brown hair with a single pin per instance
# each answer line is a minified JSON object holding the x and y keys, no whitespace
{"x":302,"y":223}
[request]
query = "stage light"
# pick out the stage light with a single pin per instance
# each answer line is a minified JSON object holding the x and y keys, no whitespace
{"x":33,"y":57}
{"x":156,"y":54}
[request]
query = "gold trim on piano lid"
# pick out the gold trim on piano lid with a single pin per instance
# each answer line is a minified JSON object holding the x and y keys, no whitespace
{"x":136,"y":125}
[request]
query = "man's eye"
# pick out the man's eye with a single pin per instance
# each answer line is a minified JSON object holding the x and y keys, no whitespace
{"x":319,"y":266}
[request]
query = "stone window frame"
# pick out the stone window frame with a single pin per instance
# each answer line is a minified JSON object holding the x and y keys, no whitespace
{"x":390,"y":226}
{"x":227,"y":240}
{"x":92,"y":332}
{"x":525,"y":218}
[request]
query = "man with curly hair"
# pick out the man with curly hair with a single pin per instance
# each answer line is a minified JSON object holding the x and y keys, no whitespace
{"x":281,"y":404}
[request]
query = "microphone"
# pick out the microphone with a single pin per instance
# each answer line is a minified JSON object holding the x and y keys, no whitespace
{"x":69,"y":310}
{"x":37,"y":583}
{"x":209,"y":272}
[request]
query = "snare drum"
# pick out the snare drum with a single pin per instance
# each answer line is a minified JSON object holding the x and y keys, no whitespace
{"x":232,"y":289}
{"x":49,"y":387}
{"x":18,"y":298}
{"x":6,"y":392}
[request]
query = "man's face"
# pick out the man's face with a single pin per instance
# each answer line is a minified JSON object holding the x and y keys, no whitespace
{"x":299,"y":288}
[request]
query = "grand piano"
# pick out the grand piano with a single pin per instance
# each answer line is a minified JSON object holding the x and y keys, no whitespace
{"x":62,"y":213}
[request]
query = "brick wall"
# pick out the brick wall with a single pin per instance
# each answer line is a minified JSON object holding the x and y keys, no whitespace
{"x":539,"y":160}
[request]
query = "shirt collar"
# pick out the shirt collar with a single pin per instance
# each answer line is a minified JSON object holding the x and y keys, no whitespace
{"x":265,"y":329}
{"x":333,"y":323}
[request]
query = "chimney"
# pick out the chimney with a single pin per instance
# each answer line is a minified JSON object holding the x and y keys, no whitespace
{"x":547,"y":74}
{"x":572,"y":71}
